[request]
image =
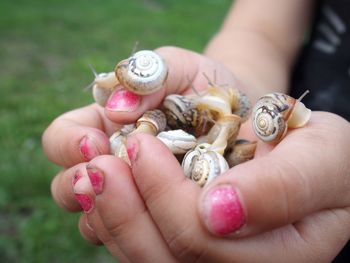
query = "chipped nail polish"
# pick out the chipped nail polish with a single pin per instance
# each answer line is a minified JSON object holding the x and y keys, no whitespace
{"x":123,"y":100}
{"x":88,"y":148}
{"x":85,"y":202}
{"x":96,"y":179}
{"x":223,"y":212}
{"x":132,"y":149}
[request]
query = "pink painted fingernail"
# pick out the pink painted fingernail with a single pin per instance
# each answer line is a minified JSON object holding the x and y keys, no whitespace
{"x":85,"y":202}
{"x":96,"y":179}
{"x":77,"y":176}
{"x":88,"y":148}
{"x":123,"y":100}
{"x":132,"y":148}
{"x":223,"y":212}
{"x":81,"y":185}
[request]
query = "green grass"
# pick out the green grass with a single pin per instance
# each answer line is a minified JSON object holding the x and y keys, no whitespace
{"x":45,"y":49}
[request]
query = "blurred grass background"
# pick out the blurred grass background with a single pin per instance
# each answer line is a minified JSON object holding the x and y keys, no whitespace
{"x":45,"y":49}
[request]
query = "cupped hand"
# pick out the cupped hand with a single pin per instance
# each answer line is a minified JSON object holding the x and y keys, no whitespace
{"x":78,"y":136}
{"x":290,"y":204}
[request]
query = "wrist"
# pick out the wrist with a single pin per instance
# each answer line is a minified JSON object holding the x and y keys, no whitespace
{"x":253,"y":60}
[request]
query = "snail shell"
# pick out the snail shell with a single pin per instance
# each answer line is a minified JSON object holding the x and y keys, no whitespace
{"x":103,"y":86}
{"x":274,"y":113}
{"x":182,"y":113}
{"x":202,"y":165}
{"x":143,"y":73}
{"x":152,"y":122}
{"x":241,"y":152}
{"x":178,"y":141}
{"x":117,"y":142}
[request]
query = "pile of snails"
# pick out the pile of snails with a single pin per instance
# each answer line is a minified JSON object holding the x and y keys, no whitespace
{"x":200,"y":130}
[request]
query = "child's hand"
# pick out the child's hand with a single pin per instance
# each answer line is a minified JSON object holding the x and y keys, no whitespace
{"x":152,"y":213}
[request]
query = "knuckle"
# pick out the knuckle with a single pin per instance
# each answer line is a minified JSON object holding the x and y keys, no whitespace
{"x":185,"y":246}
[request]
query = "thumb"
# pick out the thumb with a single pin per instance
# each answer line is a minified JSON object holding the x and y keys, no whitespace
{"x":185,"y":68}
{"x":303,"y":174}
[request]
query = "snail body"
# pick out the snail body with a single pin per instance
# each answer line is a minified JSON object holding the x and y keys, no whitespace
{"x":103,"y":86}
{"x":274,"y":113}
{"x":143,"y":73}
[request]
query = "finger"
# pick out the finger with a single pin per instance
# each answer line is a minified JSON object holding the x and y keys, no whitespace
{"x":87,"y":231}
{"x":76,"y":136}
{"x":62,"y":188}
{"x":170,"y":197}
{"x":123,"y":213}
{"x":185,"y":69}
{"x":305,"y":173}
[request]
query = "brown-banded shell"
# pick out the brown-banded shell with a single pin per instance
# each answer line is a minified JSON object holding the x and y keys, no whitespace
{"x":241,"y":152}
{"x":274,"y":113}
{"x":152,"y":122}
{"x":182,"y":113}
{"x":143,"y":73}
{"x":202,"y":165}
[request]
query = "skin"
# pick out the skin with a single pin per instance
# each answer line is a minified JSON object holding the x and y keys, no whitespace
{"x":295,"y":196}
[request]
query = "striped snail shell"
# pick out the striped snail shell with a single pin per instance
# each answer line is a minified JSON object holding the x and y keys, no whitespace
{"x":202,"y":165}
{"x":182,"y":112}
{"x":275,"y":112}
{"x":143,"y":73}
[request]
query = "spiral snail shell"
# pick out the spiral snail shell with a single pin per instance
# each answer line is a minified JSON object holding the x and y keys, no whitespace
{"x":202,"y":165}
{"x":151,"y":122}
{"x":143,"y":73}
{"x":182,"y":112}
{"x":275,"y":112}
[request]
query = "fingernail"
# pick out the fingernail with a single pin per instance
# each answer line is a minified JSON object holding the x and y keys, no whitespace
{"x":81,"y":185}
{"x":96,"y":179}
{"x":85,"y":202}
{"x":132,"y":148}
{"x":223,"y":212}
{"x":123,"y":100}
{"x":88,"y":148}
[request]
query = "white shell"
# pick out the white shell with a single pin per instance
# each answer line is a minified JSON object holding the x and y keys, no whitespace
{"x":275,"y":112}
{"x":117,"y":142}
{"x":202,"y":165}
{"x":143,"y":73}
{"x":178,"y":141}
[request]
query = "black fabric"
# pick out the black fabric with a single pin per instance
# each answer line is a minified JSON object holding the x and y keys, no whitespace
{"x":324,"y":68}
{"x":324,"y":64}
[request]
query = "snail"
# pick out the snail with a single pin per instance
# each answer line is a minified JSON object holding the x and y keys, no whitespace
{"x":143,"y":73}
{"x":182,"y":113}
{"x":223,"y":132}
{"x":240,"y":152}
{"x":236,"y":101}
{"x":202,"y":165}
{"x":117,"y":142}
{"x":103,"y":86}
{"x":178,"y":141}
{"x":274,"y":113}
{"x":151,"y":122}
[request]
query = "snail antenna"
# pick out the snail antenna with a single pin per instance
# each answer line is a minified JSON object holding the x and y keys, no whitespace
{"x":136,"y":45}
{"x":303,"y":95}
{"x":190,"y":83}
{"x":95,"y":75}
